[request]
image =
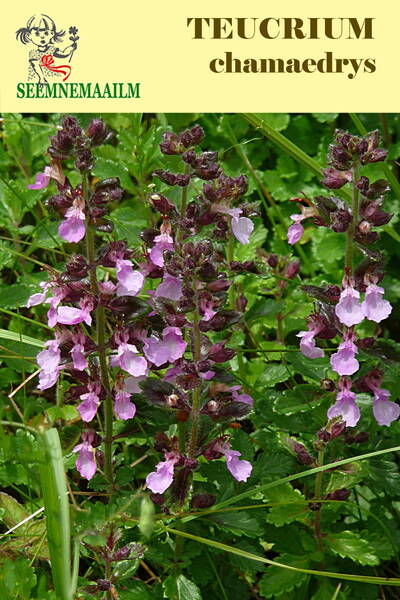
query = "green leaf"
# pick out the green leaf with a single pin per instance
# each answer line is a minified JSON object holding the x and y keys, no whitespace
{"x":105,"y":168}
{"x":278,"y":121}
{"x":348,"y":544}
{"x":180,"y":588}
{"x":277,"y":581}
{"x":13,"y":296}
{"x":264,"y":307}
{"x":17,"y":578}
{"x":128,"y":223}
{"x":272,"y":375}
{"x":239,"y":523}
{"x":302,"y":398}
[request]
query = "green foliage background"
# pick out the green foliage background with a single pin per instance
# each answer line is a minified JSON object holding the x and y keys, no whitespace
{"x":361,"y":535}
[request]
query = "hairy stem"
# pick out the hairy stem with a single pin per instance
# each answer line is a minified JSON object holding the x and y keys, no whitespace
{"x":317,"y":495}
{"x":352,"y":227}
{"x":100,"y":339}
{"x":196,"y":392}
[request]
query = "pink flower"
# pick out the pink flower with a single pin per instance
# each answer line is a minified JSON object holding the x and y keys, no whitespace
{"x":169,"y":349}
{"x":206,"y":308}
{"x":73,"y":228}
{"x":242,"y":228}
{"x":345,"y":405}
{"x":43,"y":179}
{"x":375,"y":308}
{"x":170,"y":288}
{"x":40,"y":297}
{"x":78,"y":351}
{"x":70,"y":315}
{"x":130,"y":282}
{"x":162,"y":242}
{"x":344,"y":361}
{"x":128,"y":359}
{"x":49,"y":362}
{"x":88,"y":408}
{"x":385,"y":411}
{"x":131,"y":384}
{"x":240,"y":469}
{"x":295,"y":231}
{"x":245,"y":398}
{"x":160,"y":479}
{"x":307,"y":342}
{"x":348,"y":310}
{"x":86,"y":463}
{"x":123,"y":407}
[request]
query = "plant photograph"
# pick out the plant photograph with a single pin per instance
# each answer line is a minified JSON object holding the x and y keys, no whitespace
{"x":199,"y":354}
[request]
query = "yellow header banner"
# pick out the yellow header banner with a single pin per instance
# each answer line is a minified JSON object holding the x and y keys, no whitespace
{"x":185,"y":57}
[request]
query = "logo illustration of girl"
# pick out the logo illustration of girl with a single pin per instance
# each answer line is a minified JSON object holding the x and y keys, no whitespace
{"x":41,"y":31}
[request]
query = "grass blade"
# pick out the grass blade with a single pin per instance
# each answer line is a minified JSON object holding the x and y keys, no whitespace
{"x":19,"y":337}
{"x":56,"y":506}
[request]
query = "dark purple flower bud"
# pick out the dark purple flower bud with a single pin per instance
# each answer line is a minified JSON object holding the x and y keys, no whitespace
{"x":108,"y":255}
{"x":292,"y":268}
{"x":193,"y":136}
{"x":122,"y":553}
{"x":158,"y":499}
{"x":108,"y":190}
{"x":374,"y":156}
{"x":341,"y":494}
{"x":171,"y":143}
{"x":339,"y":158}
{"x":219,"y":285}
{"x":165,"y":176}
{"x":340,"y":220}
{"x":97,"y":132}
{"x":361,"y":437}
{"x":334,"y":179}
{"x":362,"y":185}
{"x":148,"y":235}
{"x":202,"y":501}
{"x":337,"y":429}
{"x":303,"y":456}
{"x":162,"y":204}
{"x":247,"y":266}
{"x":365,"y":343}
{"x":207,"y":272}
{"x":372,"y":212}
{"x":76,"y":268}
{"x":103,"y":585}
{"x":366,"y":239}
{"x":219,"y":354}
{"x":84,"y":160}
{"x":273,"y":260}
{"x":324,"y":435}
{"x":189,"y":157}
{"x":327,"y":385}
{"x":241,"y":303}
{"x":369,"y":381}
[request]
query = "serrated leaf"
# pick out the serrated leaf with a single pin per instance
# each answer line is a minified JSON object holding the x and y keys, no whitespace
{"x":279,"y":121}
{"x":105,"y":168}
{"x":276,"y":581}
{"x":348,"y":544}
{"x":180,"y":588}
{"x":302,"y":398}
{"x":272,"y":375}
{"x":240,"y":523}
